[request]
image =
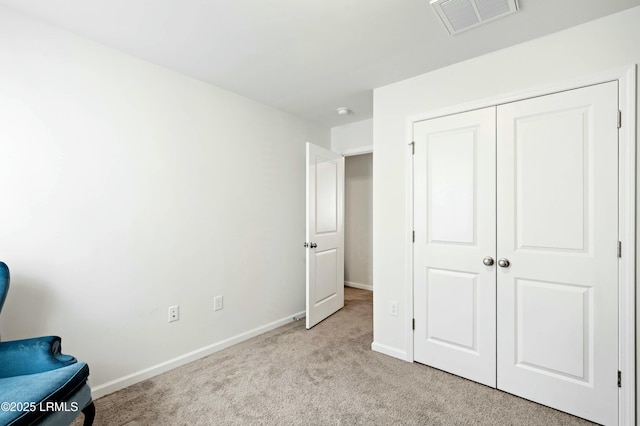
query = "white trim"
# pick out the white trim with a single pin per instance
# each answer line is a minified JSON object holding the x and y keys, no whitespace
{"x":147,"y":373}
{"x":409,"y":239}
{"x":627,"y":234}
{"x":358,"y":285}
{"x":388,"y":350}
{"x":626,"y":78}
{"x":358,"y":151}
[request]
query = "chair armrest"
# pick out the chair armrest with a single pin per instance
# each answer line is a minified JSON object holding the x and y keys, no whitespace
{"x":30,"y":356}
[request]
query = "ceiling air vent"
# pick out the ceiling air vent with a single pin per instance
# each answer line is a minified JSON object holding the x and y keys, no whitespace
{"x":460,"y":15}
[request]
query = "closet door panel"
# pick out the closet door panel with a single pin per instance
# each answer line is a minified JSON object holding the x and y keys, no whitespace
{"x":454,"y":219}
{"x":557,"y":300}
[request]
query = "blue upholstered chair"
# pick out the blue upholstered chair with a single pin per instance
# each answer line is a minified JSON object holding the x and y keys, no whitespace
{"x":38,"y":384}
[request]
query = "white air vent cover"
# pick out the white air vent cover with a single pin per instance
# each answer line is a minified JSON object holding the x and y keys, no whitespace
{"x":460,"y":15}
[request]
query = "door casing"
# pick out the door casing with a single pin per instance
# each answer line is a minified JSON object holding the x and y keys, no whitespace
{"x":626,"y":78}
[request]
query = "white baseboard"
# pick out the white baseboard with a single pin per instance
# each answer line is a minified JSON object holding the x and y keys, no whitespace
{"x":388,"y":350}
{"x":358,"y":285}
{"x":147,"y":373}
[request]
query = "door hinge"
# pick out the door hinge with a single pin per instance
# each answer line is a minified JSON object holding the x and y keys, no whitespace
{"x":413,"y":324}
{"x":619,"y":248}
{"x":413,"y":236}
{"x":619,"y":119}
{"x":413,"y":147}
{"x":619,"y":379}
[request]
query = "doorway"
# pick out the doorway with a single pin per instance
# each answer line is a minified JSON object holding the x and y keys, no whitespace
{"x":358,"y":218}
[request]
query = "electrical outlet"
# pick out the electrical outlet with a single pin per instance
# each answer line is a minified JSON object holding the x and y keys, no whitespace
{"x":218,"y":303}
{"x":174,"y":313}
{"x":393,"y":308}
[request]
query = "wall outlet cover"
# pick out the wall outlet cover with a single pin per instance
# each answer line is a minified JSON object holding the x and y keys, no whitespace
{"x":218,"y":303}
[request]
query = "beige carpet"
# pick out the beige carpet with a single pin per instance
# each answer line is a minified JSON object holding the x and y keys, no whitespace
{"x":324,"y":376}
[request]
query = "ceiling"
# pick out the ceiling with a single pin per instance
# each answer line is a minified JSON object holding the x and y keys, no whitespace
{"x":307,"y":57}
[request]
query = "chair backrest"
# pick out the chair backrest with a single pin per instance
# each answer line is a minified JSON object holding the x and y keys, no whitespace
{"x":4,"y":283}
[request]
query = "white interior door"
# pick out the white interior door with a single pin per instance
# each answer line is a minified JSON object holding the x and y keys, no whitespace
{"x":455,"y":229}
{"x":325,"y":234}
{"x":557,"y":326}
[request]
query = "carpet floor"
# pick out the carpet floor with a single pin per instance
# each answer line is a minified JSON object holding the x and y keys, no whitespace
{"x":324,"y":376}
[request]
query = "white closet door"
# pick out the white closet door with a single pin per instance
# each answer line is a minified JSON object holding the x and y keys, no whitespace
{"x":557,"y":194}
{"x":454,"y":220}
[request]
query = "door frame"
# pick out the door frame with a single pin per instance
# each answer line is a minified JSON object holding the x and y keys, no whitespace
{"x":354,"y":153}
{"x":626,"y":78}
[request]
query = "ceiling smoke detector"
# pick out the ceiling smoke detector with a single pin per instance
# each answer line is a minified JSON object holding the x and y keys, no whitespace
{"x":460,"y":15}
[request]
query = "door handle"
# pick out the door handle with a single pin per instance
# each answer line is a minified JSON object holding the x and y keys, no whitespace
{"x":305,"y":245}
{"x":313,"y":245}
{"x":503,"y":263}
{"x":488,"y":260}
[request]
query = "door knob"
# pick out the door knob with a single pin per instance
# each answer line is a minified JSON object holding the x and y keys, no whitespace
{"x":504,"y":263}
{"x":488,"y":260}
{"x":313,"y":245}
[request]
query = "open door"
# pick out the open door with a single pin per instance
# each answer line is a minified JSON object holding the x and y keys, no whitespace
{"x":325,"y":233}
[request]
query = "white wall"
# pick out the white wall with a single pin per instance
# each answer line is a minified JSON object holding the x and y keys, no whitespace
{"x":353,"y":138}
{"x":601,"y":45}
{"x":127,"y":188}
{"x":358,"y":221}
